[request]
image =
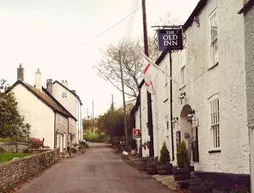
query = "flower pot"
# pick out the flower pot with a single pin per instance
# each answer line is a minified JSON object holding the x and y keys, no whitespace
{"x":181,"y":174}
{"x":151,"y":167}
{"x":164,"y":169}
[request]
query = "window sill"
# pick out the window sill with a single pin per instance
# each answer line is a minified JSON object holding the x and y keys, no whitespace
{"x":181,"y":87}
{"x":215,"y":151}
{"x":213,"y":66}
{"x":165,"y":100}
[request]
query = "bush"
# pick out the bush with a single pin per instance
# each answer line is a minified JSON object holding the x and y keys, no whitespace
{"x":35,"y":143}
{"x":164,"y":157}
{"x":96,"y":137}
{"x":182,"y":156}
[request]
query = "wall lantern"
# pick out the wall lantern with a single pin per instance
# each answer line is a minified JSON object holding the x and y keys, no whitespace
{"x":175,"y":120}
{"x":191,"y":115}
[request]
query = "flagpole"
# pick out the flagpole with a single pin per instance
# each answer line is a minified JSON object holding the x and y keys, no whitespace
{"x":149,"y":101}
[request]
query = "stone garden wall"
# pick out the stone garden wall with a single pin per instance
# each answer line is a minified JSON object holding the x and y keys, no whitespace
{"x":15,"y":172}
{"x":14,"y":146}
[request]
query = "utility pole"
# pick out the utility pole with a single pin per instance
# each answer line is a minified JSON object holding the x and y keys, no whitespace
{"x":93,"y":117}
{"x":149,"y":101}
{"x":124,"y":106}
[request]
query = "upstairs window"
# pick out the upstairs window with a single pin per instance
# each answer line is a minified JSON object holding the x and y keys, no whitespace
{"x":214,"y":38}
{"x":64,"y":95}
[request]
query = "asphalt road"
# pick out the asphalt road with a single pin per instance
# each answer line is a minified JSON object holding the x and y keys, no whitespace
{"x":99,"y":170}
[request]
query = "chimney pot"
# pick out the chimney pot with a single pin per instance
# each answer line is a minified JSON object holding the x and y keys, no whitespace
{"x":20,"y":73}
{"x":50,"y":86}
{"x":38,"y":84}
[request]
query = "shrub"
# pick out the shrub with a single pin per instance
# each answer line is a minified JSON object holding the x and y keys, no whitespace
{"x":35,"y":143}
{"x":182,"y":156}
{"x":164,"y":154}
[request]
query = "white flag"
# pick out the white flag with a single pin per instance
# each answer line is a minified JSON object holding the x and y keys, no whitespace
{"x":155,"y":67}
{"x":149,"y":74}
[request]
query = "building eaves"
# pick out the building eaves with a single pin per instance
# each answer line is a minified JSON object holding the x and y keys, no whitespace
{"x":71,"y":91}
{"x":43,"y":97}
{"x":200,"y":6}
{"x":247,"y":7}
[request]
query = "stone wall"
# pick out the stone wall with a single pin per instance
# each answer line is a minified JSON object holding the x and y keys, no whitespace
{"x":15,"y":172}
{"x":14,"y":146}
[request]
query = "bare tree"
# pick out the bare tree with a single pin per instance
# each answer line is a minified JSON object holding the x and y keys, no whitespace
{"x":128,"y":52}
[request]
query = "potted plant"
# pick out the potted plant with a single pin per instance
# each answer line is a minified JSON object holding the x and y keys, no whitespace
{"x":164,"y":166}
{"x":151,"y":166}
{"x":182,"y":172}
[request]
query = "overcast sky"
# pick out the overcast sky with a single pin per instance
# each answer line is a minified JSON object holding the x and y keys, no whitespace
{"x":55,"y":36}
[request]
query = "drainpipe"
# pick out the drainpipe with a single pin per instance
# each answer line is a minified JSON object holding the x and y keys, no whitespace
{"x":171,"y":107}
{"x":55,"y":135}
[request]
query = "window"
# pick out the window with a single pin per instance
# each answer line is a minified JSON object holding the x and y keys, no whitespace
{"x":167,"y":125}
{"x":215,"y":122}
{"x":214,"y":38}
{"x":64,"y":95}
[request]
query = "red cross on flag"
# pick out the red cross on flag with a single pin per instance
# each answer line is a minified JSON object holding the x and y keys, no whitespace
{"x":149,"y":72}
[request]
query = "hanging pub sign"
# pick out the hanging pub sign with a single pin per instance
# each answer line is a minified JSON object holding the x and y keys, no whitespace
{"x":170,"y":39}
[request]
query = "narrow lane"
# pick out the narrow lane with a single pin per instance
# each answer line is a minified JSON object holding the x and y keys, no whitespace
{"x":99,"y":170}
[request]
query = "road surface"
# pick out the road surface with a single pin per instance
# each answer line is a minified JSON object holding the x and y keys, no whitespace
{"x":99,"y":170}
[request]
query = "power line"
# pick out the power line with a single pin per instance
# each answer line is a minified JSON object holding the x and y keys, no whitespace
{"x":116,"y":24}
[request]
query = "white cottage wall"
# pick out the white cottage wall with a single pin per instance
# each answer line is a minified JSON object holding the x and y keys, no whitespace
{"x":37,"y":114}
{"x":144,"y":120}
{"x":227,"y":80}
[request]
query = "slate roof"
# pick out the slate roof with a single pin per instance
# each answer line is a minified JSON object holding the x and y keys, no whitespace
{"x":46,"y":98}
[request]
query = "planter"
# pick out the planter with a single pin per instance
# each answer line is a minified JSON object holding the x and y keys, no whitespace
{"x":151,"y":167}
{"x":181,"y":174}
{"x":164,"y":169}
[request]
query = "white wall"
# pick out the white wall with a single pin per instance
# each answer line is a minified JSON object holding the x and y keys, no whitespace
{"x":73,"y":105}
{"x":144,"y":120}
{"x":69,"y":102}
{"x":227,"y":80}
{"x":161,"y":108}
{"x":37,"y":114}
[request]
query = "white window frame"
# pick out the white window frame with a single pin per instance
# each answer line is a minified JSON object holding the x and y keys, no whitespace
{"x":64,"y":95}
{"x":214,"y":55}
{"x":183,"y":68}
{"x":214,"y":122}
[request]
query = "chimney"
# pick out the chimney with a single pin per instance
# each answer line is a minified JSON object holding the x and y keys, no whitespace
{"x":38,"y":80}
{"x":20,"y":73}
{"x":50,"y":85}
{"x":65,"y":83}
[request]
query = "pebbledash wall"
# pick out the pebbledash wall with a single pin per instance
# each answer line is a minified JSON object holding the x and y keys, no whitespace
{"x":226,"y":81}
{"x":16,"y":171}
